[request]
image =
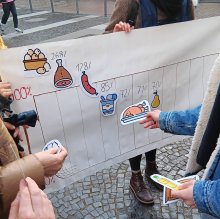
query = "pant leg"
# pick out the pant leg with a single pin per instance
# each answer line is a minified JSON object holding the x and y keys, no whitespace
{"x":151,"y":155}
{"x":135,"y":162}
{"x":6,"y":13}
{"x":14,"y":14}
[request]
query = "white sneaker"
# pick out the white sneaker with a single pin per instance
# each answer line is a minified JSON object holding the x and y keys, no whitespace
{"x":19,"y":30}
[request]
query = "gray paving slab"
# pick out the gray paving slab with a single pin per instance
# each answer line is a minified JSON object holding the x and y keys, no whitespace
{"x":40,"y":35}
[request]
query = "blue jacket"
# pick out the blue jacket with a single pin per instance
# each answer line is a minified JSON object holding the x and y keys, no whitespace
{"x":206,"y":193}
{"x":179,"y":122}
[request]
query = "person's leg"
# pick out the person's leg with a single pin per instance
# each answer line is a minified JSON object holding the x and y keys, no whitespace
{"x":151,"y":167}
{"x":15,"y":16}
{"x":6,"y":13}
{"x":138,"y":187}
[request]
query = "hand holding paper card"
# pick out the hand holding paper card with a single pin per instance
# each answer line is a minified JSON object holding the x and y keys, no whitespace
{"x":167,"y":192}
{"x":53,"y":144}
{"x":162,"y":180}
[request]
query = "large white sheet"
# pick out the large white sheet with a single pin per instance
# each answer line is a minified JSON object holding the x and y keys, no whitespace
{"x":173,"y":60}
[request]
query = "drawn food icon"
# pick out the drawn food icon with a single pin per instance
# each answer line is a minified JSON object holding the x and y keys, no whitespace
{"x":166,"y":182}
{"x":108,"y":104}
{"x":62,"y":77}
{"x":36,"y":60}
{"x":156,"y":101}
{"x":86,"y":85}
{"x":134,"y":110}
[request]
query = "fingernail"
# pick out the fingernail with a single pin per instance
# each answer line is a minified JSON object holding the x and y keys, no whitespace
{"x":23,"y":183}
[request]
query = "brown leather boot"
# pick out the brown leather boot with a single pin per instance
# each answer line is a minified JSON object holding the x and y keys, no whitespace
{"x":151,"y":168}
{"x":140,"y":190}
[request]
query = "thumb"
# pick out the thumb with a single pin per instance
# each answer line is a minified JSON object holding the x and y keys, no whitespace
{"x":52,"y":150}
{"x":149,"y":114}
{"x":186,"y":185}
{"x":176,"y":194}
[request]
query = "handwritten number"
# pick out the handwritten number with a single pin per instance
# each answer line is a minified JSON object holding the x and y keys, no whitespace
{"x":83,"y":66}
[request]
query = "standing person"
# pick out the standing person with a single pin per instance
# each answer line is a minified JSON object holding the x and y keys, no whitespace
{"x":9,"y":7}
{"x":140,"y":14}
{"x":13,"y":168}
{"x":205,"y":149}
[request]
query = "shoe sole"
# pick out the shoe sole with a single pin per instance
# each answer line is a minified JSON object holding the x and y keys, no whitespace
{"x":143,"y":202}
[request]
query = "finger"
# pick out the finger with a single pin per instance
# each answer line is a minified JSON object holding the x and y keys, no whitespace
{"x":117,"y":28}
{"x":43,"y":195}
{"x":63,"y":152}
{"x":176,"y":194}
{"x":25,"y":206}
{"x":35,"y":194}
{"x":143,"y":121}
{"x":151,"y":124}
{"x":16,"y":132}
{"x":186,"y":185}
{"x":14,"y":207}
{"x":48,"y":209}
{"x":6,"y":92}
{"x":9,"y":126}
{"x":20,"y":136}
{"x":127,"y":28}
{"x":5,"y":85}
{"x":52,"y":151}
{"x":149,"y":114}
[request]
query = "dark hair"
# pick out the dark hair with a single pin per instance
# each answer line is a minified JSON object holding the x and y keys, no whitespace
{"x":170,"y":7}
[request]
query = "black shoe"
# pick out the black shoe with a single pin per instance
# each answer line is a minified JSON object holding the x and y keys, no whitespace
{"x":151,"y":168}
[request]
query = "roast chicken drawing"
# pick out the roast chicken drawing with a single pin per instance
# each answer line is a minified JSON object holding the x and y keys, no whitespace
{"x":135,"y":112}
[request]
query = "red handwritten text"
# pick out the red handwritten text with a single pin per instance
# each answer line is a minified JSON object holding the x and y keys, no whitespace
{"x":21,"y":93}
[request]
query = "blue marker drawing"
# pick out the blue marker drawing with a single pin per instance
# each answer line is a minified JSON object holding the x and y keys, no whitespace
{"x":108,"y":104}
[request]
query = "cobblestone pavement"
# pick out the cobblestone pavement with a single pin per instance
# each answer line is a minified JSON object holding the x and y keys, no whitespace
{"x":107,"y":194}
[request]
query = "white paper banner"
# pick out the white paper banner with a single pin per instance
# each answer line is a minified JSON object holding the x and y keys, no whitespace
{"x":65,"y":82}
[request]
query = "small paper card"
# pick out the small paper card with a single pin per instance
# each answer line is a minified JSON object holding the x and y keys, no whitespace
{"x":53,"y":144}
{"x":167,"y":196}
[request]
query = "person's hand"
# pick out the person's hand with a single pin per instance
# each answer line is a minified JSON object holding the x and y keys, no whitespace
{"x":122,"y":26}
{"x":51,"y":161}
{"x":17,"y":132}
{"x":31,"y":202}
{"x":1,"y":6}
{"x":5,"y":89}
{"x":185,"y":193}
{"x":151,"y":119}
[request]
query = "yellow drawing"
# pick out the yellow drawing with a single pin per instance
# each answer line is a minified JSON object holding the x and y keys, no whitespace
{"x":165,"y":182}
{"x":36,"y":60}
{"x":156,"y":101}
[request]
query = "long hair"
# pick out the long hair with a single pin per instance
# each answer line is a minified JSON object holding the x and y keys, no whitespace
{"x":170,"y":7}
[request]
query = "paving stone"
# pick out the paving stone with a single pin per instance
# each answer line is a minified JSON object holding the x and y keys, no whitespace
{"x":89,"y":217}
{"x":95,"y":213}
